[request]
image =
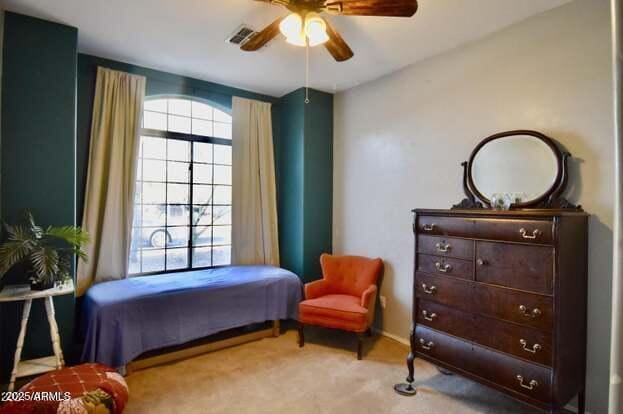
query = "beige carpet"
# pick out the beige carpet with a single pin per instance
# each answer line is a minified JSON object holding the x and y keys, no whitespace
{"x":275,"y":376}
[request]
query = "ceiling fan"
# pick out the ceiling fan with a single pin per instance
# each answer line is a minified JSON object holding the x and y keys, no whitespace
{"x":305,"y":27}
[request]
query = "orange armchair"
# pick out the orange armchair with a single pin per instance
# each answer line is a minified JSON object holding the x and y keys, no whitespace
{"x":344,"y":298}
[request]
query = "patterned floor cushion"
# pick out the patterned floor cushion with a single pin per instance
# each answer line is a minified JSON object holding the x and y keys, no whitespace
{"x":84,"y":389}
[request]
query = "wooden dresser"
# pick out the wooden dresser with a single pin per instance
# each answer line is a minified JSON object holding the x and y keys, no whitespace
{"x":500,"y":297}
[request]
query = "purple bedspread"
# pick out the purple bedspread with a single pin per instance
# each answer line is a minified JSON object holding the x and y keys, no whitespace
{"x":124,"y":318}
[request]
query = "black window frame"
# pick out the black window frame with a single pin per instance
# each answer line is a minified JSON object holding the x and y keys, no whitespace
{"x":192,"y":138}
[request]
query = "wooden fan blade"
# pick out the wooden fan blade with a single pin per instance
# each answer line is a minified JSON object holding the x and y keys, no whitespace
{"x":392,"y":8}
{"x":336,"y":45}
{"x":261,"y":38}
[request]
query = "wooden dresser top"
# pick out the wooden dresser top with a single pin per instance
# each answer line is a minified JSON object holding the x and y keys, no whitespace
{"x":500,"y":213}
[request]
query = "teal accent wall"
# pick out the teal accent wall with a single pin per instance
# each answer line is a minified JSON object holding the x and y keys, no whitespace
{"x":2,"y":348}
{"x":38,"y":154}
{"x":290,"y":180}
{"x":305,"y":181}
{"x":318,"y":182}
{"x":1,"y":56}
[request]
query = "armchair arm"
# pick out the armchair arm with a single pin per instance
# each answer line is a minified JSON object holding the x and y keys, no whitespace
{"x":369,"y":297}
{"x":316,"y":289}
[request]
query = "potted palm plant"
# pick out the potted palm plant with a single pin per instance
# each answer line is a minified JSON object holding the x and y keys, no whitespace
{"x":45,"y":253}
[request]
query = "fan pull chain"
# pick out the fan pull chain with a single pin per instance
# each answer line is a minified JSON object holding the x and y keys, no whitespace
{"x":307,"y":72}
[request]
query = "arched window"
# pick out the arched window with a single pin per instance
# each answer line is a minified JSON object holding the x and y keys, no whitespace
{"x":182,"y":207}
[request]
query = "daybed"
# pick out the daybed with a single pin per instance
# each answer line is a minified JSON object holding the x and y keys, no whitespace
{"x":123,"y":319}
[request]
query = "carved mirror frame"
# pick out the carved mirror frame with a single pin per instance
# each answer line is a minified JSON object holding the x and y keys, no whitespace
{"x":551,"y":199}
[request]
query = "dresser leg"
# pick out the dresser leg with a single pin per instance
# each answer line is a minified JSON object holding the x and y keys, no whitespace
{"x":582,"y":401}
{"x":407,"y":388}
{"x":410,"y":359}
{"x":20,"y":342}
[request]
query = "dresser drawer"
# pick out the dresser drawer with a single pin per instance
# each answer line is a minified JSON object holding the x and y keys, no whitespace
{"x":521,"y":341}
{"x":446,"y":226}
{"x":514,"y":306}
{"x":523,"y":377}
{"x":443,"y":348}
{"x":450,"y":291}
{"x":516,"y":266}
{"x":527,"y":231}
{"x":448,"y":266}
{"x":445,"y":246}
{"x":445,"y":319}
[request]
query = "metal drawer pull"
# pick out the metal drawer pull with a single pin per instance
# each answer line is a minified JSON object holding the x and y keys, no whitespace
{"x":443,"y":247}
{"x":532,"y":385}
{"x":429,"y":290}
{"x":536,"y":312}
{"x":427,"y":317}
{"x":445,"y":268}
{"x":429,"y":227}
{"x":525,"y":234}
{"x":427,"y":346}
{"x":481,"y":262}
{"x":535,"y":348}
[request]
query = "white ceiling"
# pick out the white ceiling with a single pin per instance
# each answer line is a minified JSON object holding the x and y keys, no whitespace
{"x":187,"y":37}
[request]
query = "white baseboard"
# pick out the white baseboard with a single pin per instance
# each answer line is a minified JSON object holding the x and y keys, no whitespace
{"x":405,"y":341}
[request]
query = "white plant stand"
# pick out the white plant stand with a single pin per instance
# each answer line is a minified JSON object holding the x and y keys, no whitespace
{"x":18,"y":293}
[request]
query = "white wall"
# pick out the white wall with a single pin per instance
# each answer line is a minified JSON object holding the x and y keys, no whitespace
{"x":399,"y":142}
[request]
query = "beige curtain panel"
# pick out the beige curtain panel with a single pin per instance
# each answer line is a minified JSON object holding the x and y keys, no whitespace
{"x":254,"y":197}
{"x":108,"y":207}
{"x":616,"y":351}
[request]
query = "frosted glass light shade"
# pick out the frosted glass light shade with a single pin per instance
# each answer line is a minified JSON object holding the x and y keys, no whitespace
{"x":316,"y":30}
{"x":292,"y":26}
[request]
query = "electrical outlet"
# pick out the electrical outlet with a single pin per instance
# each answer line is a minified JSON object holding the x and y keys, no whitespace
{"x":383,"y":301}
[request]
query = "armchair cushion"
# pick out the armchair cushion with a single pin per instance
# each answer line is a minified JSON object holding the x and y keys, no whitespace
{"x":335,"y":311}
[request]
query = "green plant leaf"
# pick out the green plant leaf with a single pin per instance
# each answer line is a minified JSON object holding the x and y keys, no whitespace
{"x":74,"y":236}
{"x":45,"y":262}
{"x":21,"y":234}
{"x":12,"y":253}
{"x":82,"y":255}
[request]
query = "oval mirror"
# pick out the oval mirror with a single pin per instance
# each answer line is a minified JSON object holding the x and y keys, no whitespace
{"x":524,"y":164}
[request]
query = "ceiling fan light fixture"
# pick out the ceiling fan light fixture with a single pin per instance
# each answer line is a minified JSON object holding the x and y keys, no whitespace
{"x":292,"y":27}
{"x":300,"y":32}
{"x":316,"y":29}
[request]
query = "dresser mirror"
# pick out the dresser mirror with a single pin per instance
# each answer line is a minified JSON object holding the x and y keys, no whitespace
{"x":525,"y":168}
